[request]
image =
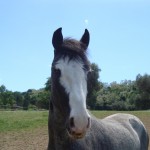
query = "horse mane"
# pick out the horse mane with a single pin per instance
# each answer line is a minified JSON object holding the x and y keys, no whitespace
{"x":74,"y":45}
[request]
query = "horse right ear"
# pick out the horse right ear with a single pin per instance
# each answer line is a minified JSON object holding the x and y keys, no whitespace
{"x":85,"y":38}
{"x":57,"y":39}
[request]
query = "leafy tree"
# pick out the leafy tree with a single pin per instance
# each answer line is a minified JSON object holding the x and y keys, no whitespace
{"x":2,"y":89}
{"x":33,"y":99}
{"x":26,"y":101}
{"x":116,"y":96}
{"x":10,"y":98}
{"x":143,"y":83}
{"x":2,"y":95}
{"x":18,"y":98}
{"x":93,"y":85}
{"x":6,"y":97}
{"x":43,"y":100}
{"x":143,"y":87}
{"x":127,"y":95}
{"x":48,"y":84}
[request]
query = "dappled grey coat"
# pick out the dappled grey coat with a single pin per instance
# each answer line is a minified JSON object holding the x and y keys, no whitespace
{"x":116,"y":132}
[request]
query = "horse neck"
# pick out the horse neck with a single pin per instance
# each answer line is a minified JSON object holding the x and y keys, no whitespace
{"x":58,"y":114}
{"x":58,"y":137}
{"x":59,"y":133}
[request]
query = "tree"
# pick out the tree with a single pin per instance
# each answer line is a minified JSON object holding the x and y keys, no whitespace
{"x":93,"y":85}
{"x":26,"y":101}
{"x":143,"y":83}
{"x":48,"y":84}
{"x":43,"y":100}
{"x":143,"y":87}
{"x":2,"y":95}
{"x":6,"y":97}
{"x":18,"y":98}
{"x":116,"y":96}
{"x":2,"y":89}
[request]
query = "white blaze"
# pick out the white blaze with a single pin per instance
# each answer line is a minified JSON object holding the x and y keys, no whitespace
{"x":73,"y":79}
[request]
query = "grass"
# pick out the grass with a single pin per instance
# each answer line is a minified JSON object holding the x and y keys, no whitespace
{"x":25,"y":120}
{"x":22,"y":120}
{"x":28,"y":129}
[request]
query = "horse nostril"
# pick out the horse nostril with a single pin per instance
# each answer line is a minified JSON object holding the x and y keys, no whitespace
{"x":71,"y":122}
{"x":88,"y":125}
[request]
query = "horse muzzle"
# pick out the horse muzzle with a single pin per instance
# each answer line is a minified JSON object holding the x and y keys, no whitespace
{"x":75,"y":135}
{"x":77,"y":132}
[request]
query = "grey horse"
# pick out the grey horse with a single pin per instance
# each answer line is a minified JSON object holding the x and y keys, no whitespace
{"x":71,"y":127}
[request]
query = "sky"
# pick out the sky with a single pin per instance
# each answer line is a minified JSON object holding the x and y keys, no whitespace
{"x":119,"y":38}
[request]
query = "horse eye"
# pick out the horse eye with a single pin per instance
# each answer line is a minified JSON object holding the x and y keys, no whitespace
{"x":57,"y":71}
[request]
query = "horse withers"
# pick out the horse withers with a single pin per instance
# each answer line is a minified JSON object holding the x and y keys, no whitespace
{"x":71,"y":127}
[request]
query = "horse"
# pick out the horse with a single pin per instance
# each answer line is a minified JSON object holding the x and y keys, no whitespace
{"x":70,"y":125}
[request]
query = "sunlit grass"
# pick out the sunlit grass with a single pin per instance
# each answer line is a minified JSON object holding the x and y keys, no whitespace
{"x":14,"y":123}
{"x":21,"y":120}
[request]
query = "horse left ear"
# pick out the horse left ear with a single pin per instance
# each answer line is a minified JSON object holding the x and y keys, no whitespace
{"x":57,"y":39}
{"x":85,"y":38}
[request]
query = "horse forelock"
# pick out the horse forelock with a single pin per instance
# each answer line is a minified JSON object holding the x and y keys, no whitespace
{"x":73,"y":45}
{"x":74,"y":50}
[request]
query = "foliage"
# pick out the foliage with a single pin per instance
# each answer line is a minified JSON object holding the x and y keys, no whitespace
{"x":127,"y":95}
{"x":33,"y":99}
{"x":93,"y":85}
{"x":115,"y":96}
{"x":143,"y":88}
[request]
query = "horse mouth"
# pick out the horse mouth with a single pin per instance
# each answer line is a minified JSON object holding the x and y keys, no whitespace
{"x":74,"y":135}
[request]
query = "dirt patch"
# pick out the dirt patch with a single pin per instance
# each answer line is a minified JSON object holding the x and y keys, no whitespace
{"x":25,"y":140}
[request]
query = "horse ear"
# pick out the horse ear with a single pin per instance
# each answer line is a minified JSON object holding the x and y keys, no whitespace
{"x":57,"y":39}
{"x":85,"y":38}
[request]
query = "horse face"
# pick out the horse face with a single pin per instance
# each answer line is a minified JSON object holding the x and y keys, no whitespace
{"x":73,"y":78}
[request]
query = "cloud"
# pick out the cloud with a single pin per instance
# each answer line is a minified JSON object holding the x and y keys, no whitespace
{"x":86,"y":21}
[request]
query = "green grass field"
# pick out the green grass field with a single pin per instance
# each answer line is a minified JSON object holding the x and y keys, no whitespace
{"x":22,"y":120}
{"x":28,"y":129}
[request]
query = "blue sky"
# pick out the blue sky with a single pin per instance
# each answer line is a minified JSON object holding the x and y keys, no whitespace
{"x":119,"y":30}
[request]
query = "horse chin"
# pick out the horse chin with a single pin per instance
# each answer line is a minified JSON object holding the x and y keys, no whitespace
{"x":75,"y":136}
